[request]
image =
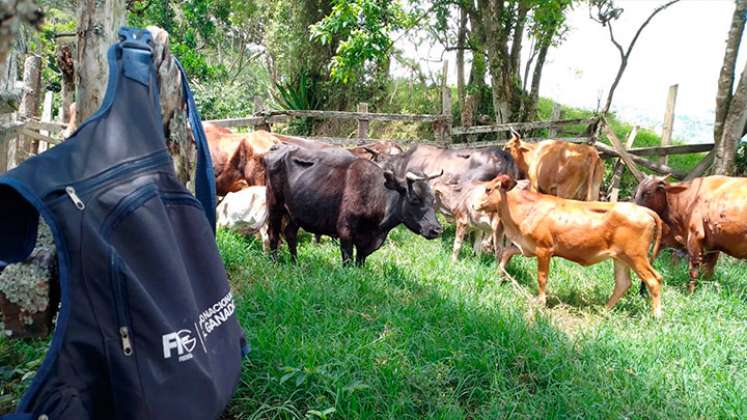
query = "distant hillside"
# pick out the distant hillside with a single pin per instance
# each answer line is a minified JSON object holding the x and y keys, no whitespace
{"x":687,"y":128}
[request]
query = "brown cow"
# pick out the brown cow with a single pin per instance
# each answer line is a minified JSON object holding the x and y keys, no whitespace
{"x":559,"y":168}
{"x":704,"y":216}
{"x":237,"y":157}
{"x":586,"y":233}
{"x":377,"y":151}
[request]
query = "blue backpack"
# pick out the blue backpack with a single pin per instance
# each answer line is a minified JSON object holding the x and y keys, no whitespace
{"x":146,"y":328}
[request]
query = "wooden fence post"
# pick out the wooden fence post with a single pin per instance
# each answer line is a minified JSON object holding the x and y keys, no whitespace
{"x":46,"y":117}
{"x":445,"y":125}
{"x":666,"y":131}
{"x":259,"y":106}
{"x":21,"y":148}
{"x":362,"y":124}
{"x":620,"y":149}
{"x":555,"y":116}
{"x":618,"y":171}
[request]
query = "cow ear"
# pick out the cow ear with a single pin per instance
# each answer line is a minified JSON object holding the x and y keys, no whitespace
{"x":240,"y":156}
{"x":393,"y":183}
{"x":674,"y":189}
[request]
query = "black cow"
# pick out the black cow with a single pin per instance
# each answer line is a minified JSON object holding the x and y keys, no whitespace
{"x":330,"y":192}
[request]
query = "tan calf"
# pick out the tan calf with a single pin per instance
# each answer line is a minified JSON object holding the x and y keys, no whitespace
{"x":460,"y":202}
{"x":586,"y":233}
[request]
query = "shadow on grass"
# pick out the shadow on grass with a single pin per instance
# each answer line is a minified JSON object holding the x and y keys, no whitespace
{"x":385,"y":341}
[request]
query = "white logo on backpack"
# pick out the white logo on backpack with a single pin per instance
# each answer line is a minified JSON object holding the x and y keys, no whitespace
{"x":181,"y":341}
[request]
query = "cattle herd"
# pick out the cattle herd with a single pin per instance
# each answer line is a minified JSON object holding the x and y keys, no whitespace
{"x":536,"y":199}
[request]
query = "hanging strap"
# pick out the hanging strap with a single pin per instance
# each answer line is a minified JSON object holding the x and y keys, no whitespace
{"x":204,"y":176}
{"x":136,"y":40}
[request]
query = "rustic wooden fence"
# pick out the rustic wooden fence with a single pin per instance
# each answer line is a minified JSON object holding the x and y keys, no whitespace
{"x":23,"y":134}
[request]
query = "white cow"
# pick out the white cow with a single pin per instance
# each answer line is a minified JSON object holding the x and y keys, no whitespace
{"x":246,"y":212}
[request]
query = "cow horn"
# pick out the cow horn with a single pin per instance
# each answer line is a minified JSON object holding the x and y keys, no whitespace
{"x":435,"y":176}
{"x":515,"y":134}
{"x":410,"y":176}
{"x":665,"y":177}
{"x":373,"y":152}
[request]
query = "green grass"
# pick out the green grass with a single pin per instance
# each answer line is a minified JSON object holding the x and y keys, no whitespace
{"x":411,"y":335}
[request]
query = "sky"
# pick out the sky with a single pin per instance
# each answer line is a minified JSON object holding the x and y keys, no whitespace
{"x":683,"y":45}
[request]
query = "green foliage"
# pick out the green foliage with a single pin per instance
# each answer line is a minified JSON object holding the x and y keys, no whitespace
{"x":299,"y":93}
{"x":364,"y":28}
{"x":548,"y":20}
{"x":193,"y":27}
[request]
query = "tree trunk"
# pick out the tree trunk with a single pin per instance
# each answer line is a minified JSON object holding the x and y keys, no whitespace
{"x":518,"y":36}
{"x":66,"y":64}
{"x":13,"y":14}
{"x":98,"y":23}
{"x":461,"y":45}
{"x":726,"y":148}
{"x":30,"y":100}
{"x":726,"y":77}
{"x":10,"y":95}
{"x":179,"y":139}
{"x":533,"y":100}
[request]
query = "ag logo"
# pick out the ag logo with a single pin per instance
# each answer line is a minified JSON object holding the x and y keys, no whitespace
{"x":181,"y":341}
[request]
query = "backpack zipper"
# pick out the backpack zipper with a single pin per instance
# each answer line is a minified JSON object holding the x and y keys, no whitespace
{"x":117,"y":286}
{"x":79,"y":204}
{"x":77,"y":189}
{"x":124,"y":332}
{"x":132,"y":202}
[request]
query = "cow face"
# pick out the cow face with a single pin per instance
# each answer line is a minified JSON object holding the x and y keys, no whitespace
{"x":518,"y":150}
{"x":652,"y":193}
{"x":417,"y":203}
{"x":492,"y":197}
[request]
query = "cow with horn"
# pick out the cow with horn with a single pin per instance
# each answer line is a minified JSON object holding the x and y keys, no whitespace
{"x":331,"y":192}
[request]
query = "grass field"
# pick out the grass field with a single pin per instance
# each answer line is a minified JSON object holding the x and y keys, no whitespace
{"x":411,"y":335}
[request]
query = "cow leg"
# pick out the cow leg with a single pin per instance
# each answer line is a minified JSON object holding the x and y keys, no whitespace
{"x":364,"y":249}
{"x":622,"y":283}
{"x":461,"y":229}
{"x":265,"y":236}
{"x":505,"y":256}
{"x":652,"y":279}
{"x":709,"y":264}
{"x":477,"y":246}
{"x":273,"y":230}
{"x":346,"y":243}
{"x":291,"y":236}
{"x":497,"y":241}
{"x":543,"y":269}
{"x":695,"y":254}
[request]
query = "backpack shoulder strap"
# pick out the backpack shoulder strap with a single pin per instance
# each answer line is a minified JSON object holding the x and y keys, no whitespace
{"x":204,"y":177}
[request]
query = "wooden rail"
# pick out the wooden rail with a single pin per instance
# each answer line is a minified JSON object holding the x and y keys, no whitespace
{"x":533,"y":125}
{"x":368,"y":116}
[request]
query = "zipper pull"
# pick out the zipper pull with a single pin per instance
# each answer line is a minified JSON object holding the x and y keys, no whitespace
{"x":74,"y":197}
{"x":124,"y":332}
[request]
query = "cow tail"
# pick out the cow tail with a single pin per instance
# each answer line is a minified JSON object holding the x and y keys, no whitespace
{"x":597,"y":170}
{"x":657,"y":241}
